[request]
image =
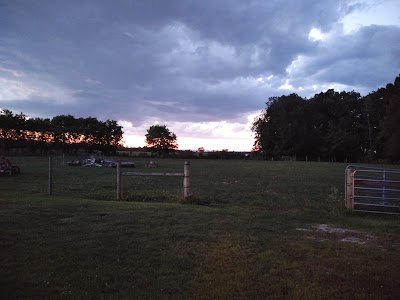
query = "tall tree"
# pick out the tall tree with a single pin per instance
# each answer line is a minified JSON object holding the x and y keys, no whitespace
{"x":280,"y":128}
{"x":390,"y":129}
{"x":341,"y":124}
{"x":64,"y":128}
{"x":161,"y":139}
{"x":110,"y":136}
{"x":40,"y":134}
{"x":329,"y":126}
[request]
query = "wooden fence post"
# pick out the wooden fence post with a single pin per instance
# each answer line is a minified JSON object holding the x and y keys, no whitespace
{"x":349,"y":188}
{"x":119,"y":181}
{"x":50,"y":176}
{"x":186,"y":182}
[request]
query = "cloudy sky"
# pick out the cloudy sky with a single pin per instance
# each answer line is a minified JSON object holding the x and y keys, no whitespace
{"x":204,"y":68}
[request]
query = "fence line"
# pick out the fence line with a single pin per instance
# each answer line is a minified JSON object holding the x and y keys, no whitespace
{"x":187,"y":195}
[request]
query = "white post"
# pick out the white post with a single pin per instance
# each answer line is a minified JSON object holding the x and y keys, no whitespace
{"x":186,"y":182}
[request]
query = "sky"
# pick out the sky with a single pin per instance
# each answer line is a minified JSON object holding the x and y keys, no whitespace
{"x":204,"y":68}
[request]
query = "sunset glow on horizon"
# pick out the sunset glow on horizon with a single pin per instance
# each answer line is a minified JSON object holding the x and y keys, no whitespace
{"x":193,"y":144}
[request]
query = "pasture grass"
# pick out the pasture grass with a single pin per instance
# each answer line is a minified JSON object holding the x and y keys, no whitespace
{"x":258,"y":234}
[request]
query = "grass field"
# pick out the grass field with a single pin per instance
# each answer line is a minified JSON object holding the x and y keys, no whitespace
{"x":263,"y":230}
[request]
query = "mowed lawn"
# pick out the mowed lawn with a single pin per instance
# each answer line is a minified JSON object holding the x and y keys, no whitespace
{"x":257,"y":230}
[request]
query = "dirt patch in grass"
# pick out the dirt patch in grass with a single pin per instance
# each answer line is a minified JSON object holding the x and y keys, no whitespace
{"x":323,"y":232}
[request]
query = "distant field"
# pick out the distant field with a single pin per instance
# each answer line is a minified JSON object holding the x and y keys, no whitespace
{"x":289,"y":185}
{"x":263,"y":230}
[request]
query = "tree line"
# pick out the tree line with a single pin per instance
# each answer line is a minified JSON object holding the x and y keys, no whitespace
{"x":338,"y":126}
{"x":63,"y":133}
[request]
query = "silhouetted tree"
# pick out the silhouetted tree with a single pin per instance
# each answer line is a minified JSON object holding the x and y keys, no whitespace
{"x":279,"y":129}
{"x":389,"y":135}
{"x":330,"y":125}
{"x":161,"y":139}
{"x":64,"y":132}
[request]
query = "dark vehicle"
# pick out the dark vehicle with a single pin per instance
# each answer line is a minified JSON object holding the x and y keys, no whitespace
{"x":6,"y":167}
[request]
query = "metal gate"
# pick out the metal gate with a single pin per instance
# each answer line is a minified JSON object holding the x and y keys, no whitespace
{"x":374,"y":190}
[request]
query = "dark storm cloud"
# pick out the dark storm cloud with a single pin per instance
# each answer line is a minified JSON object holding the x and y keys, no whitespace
{"x":182,"y":61}
{"x":362,"y":59}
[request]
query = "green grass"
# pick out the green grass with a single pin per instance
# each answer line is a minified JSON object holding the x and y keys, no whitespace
{"x":256,"y":238}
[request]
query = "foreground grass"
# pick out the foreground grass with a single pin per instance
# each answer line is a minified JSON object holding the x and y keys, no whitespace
{"x":243,"y":245}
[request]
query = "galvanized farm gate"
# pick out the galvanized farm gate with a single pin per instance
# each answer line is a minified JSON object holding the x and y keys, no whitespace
{"x":373,"y":190}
